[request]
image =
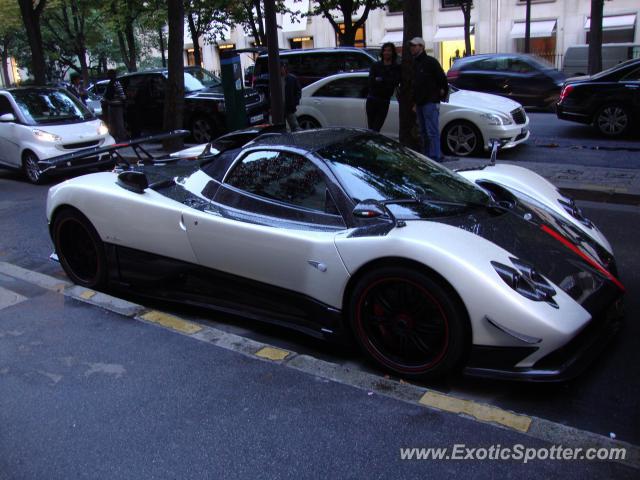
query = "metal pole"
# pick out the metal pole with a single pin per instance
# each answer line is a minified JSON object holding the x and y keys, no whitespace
{"x":527,"y":29}
{"x":275,"y":81}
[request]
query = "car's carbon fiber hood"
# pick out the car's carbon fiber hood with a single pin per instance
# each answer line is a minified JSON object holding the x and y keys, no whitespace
{"x":524,"y":231}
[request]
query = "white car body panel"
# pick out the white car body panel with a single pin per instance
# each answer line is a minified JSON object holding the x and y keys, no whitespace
{"x":520,"y":180}
{"x":445,"y":249}
{"x":462,"y":105}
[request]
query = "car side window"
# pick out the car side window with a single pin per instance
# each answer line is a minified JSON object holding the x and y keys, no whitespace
{"x":344,"y":88}
{"x":487,"y":64}
{"x":519,"y":66}
{"x":5,"y":106}
{"x":282,"y":176}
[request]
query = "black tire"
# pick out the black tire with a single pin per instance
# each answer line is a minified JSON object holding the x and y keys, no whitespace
{"x":613,"y":120}
{"x":80,"y":249}
{"x":462,"y":139}
{"x":308,"y":123}
{"x":409,"y":323}
{"x":203,"y":129}
{"x":31,"y":169}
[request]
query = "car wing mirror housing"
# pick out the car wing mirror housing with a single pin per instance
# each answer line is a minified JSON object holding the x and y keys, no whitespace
{"x":370,"y":209}
{"x":133,"y":181}
{"x":7,"y":117}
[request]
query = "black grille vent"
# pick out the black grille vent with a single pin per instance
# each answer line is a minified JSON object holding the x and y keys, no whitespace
{"x":73,"y":146}
{"x":519,"y":116}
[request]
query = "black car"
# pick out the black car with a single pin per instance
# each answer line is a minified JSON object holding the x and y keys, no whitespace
{"x":204,"y":107}
{"x":310,"y":65}
{"x":608,"y":100}
{"x":527,"y":79}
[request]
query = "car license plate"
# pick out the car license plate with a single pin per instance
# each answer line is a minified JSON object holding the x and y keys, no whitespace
{"x":256,"y":118}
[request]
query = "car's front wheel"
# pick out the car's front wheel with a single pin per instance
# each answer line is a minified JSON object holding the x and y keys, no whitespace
{"x":462,"y":139}
{"x":80,"y":249}
{"x":31,"y":169}
{"x":203,"y":130}
{"x":613,"y":120}
{"x":308,"y":123}
{"x":409,"y":323}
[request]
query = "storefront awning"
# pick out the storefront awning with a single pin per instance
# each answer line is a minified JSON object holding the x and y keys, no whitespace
{"x":394,"y":36}
{"x":615,"y":22}
{"x":288,"y":25}
{"x":539,"y":28}
{"x":451,"y":33}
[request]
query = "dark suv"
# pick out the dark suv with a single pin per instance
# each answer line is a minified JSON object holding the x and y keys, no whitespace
{"x":313,"y":64}
{"x":204,"y":107}
{"x":527,"y":79}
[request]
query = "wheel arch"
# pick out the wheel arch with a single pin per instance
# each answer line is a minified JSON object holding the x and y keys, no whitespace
{"x":64,"y":207}
{"x":407,"y":263}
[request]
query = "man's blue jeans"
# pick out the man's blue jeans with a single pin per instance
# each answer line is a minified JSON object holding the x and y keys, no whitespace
{"x":428,"y":117}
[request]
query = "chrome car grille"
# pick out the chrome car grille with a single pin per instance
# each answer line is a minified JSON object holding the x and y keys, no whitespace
{"x":519,"y":116}
{"x":74,"y":146}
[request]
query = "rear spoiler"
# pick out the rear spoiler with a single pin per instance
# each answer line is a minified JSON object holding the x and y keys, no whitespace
{"x":113,"y":151}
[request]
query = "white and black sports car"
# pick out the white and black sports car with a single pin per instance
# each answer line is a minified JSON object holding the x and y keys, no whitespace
{"x":343,"y":232}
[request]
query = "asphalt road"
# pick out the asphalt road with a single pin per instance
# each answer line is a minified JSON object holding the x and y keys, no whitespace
{"x":559,"y":141}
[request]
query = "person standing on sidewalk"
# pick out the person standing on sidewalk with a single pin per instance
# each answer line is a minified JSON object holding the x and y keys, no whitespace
{"x":77,"y":89}
{"x":292,"y":93}
{"x":430,"y":86}
{"x":113,"y":104}
{"x":384,"y":78}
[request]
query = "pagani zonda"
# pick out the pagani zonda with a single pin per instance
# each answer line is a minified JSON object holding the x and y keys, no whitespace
{"x":342,"y":232}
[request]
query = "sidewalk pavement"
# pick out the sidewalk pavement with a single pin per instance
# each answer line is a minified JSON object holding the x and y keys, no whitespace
{"x":600,"y":184}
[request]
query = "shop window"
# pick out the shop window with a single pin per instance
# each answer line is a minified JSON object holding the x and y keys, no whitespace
{"x":360,"y":37}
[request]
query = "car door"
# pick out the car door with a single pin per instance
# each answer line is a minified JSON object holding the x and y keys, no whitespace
{"x":9,"y":136}
{"x":343,"y":101}
{"x":273,"y":221}
{"x":630,"y":86}
{"x":391,"y":127}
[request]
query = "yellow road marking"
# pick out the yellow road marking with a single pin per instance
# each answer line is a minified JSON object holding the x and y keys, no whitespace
{"x":169,"y":321}
{"x":271,"y":353}
{"x":87,"y":294}
{"x":485,"y":413}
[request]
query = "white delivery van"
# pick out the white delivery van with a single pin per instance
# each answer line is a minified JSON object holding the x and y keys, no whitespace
{"x":576,"y":58}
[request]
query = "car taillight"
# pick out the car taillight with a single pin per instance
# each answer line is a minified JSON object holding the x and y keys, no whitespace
{"x":565,"y":92}
{"x":453,"y":74}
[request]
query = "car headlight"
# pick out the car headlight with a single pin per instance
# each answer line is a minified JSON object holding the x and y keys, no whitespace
{"x":102,"y":129}
{"x":45,"y":136}
{"x":495,"y":119}
{"x":524,"y":279}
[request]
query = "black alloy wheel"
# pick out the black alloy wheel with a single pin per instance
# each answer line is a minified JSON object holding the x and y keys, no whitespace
{"x":80,"y":249}
{"x":409,"y":323}
{"x":308,"y":123}
{"x":202,"y":130}
{"x":462,"y":139}
{"x":613,"y":120}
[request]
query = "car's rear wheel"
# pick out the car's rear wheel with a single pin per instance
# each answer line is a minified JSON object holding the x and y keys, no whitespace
{"x":308,"y":123}
{"x":462,"y":139}
{"x":203,"y":130}
{"x":613,"y":120}
{"x":31,"y":169}
{"x":80,"y":249}
{"x":409,"y":323}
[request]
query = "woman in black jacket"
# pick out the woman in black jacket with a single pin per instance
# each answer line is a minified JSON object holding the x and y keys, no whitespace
{"x":384,"y":78}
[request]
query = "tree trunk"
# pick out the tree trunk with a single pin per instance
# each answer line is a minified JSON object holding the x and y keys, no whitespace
{"x":595,"y":37}
{"x":131,"y":47}
{"x":4,"y":56}
{"x":84,"y":68}
{"x":527,"y":28}
{"x":466,"y":12}
{"x":161,"y":40}
{"x":174,"y":94}
{"x":412,"y":18}
{"x":259,"y":18}
{"x":195,"y":38}
{"x":31,"y":20}
{"x":275,"y":80}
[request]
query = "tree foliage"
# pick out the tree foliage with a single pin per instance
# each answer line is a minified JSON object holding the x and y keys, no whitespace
{"x":10,"y":30}
{"x":207,"y":19}
{"x":329,"y":9}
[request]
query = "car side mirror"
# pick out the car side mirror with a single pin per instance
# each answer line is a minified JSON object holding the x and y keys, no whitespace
{"x":7,"y":117}
{"x":135,"y":182}
{"x":369,"y":209}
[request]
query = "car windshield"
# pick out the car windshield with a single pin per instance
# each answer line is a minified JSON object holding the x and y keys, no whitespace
{"x":205,"y":77}
{"x":41,"y":107}
{"x":372,"y":166}
{"x":191,"y":83}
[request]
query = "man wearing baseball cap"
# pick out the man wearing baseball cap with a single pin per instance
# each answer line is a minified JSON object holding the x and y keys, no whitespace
{"x":429,"y":88}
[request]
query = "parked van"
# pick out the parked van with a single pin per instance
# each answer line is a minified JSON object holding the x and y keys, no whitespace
{"x":576,"y":58}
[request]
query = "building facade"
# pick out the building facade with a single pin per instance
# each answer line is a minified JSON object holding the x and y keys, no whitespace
{"x":496,"y":26}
